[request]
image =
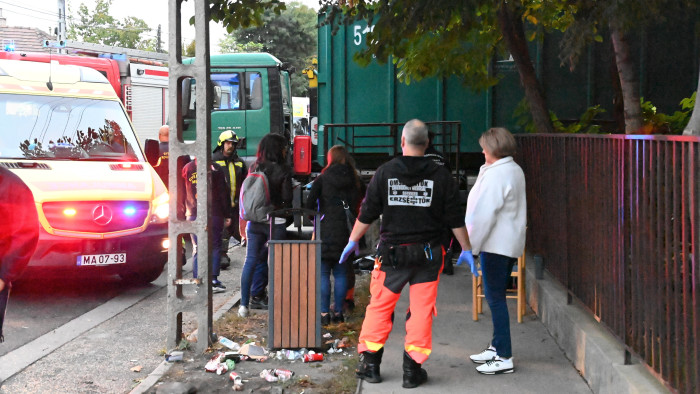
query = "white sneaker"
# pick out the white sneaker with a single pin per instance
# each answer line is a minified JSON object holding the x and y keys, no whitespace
{"x":487,"y":355}
{"x":243,"y":311}
{"x":496,"y":366}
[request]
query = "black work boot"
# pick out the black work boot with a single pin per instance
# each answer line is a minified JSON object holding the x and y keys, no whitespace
{"x":413,"y":374}
{"x":368,"y":369}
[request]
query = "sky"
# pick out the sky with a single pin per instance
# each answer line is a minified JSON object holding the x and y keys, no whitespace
{"x":43,"y":14}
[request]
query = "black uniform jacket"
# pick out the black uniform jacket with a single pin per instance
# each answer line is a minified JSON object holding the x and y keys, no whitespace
{"x":416,"y":198}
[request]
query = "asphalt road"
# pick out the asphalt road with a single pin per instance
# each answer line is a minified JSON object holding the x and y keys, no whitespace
{"x":90,"y":335}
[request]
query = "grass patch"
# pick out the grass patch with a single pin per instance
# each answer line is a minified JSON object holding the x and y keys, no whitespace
{"x":241,"y":329}
{"x":344,"y":380}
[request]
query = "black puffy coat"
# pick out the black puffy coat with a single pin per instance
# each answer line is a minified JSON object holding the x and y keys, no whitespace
{"x":335,"y":185}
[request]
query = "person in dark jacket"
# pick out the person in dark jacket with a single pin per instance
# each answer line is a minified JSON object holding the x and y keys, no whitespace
{"x":416,"y":199}
{"x":163,"y":148}
{"x":235,"y":172}
{"x":271,"y":159}
{"x":220,"y":217}
{"x":334,"y":191}
{"x":19,"y":233}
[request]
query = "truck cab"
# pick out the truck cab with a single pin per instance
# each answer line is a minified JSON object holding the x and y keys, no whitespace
{"x":252,"y":97}
{"x":102,"y":208}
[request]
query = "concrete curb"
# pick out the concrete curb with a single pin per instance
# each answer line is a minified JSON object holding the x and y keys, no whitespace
{"x":594,"y":351}
{"x":164,"y":366}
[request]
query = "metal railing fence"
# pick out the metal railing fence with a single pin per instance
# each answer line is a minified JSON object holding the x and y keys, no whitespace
{"x":375,"y":143}
{"x":616,"y":220}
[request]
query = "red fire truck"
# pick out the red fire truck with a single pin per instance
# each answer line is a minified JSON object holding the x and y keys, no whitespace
{"x":139,"y":78}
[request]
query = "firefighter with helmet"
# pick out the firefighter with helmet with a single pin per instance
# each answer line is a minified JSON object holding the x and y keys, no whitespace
{"x":235,"y":171}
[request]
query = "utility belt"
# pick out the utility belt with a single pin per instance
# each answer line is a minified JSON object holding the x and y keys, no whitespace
{"x":411,"y":254}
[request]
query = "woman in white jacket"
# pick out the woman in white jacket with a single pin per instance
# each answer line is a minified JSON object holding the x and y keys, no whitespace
{"x":496,"y":219}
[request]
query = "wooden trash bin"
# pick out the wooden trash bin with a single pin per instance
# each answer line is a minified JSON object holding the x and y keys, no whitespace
{"x":295,"y":292}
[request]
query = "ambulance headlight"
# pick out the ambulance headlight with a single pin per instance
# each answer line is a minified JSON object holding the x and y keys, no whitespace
{"x":161,"y":209}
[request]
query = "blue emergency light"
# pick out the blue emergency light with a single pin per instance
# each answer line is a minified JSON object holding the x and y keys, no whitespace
{"x":8,"y":45}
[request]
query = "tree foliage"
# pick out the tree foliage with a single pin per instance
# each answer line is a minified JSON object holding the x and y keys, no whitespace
{"x":619,"y":18}
{"x":447,"y":37}
{"x":98,"y":26}
{"x":291,"y":36}
{"x":229,"y":44}
{"x":239,"y":14}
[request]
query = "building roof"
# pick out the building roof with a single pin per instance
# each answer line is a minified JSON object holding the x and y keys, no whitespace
{"x":27,"y":39}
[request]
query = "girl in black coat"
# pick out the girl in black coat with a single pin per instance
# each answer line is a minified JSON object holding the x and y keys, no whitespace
{"x":337,"y":188}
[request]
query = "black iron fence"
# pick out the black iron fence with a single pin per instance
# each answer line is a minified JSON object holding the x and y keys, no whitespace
{"x":372,"y":144}
{"x":617,"y":219}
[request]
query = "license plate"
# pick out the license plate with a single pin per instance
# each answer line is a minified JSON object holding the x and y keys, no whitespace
{"x":102,"y":259}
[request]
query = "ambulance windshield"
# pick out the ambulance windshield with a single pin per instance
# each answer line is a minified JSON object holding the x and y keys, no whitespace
{"x":65,"y":128}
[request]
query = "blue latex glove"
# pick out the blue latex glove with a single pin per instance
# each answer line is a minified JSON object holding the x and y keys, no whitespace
{"x":351,"y":247}
{"x":466,"y":256}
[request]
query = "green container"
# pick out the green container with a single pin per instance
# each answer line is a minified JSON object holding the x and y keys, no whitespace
{"x":348,"y":93}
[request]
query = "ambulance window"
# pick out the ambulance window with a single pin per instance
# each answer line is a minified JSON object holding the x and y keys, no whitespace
{"x":66,"y":128}
{"x":227,"y":87}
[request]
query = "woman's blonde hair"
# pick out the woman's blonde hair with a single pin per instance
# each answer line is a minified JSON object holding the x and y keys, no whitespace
{"x":499,"y":142}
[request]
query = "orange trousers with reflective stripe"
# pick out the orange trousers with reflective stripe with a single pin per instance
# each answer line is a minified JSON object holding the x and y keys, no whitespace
{"x":385,"y":288}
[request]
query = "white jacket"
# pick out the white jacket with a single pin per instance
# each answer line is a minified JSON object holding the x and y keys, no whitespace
{"x":496,"y":215}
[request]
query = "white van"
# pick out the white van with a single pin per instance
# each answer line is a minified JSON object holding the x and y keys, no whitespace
{"x":102,"y":208}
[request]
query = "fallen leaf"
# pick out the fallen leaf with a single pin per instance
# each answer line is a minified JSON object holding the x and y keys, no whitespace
{"x":136,"y":368}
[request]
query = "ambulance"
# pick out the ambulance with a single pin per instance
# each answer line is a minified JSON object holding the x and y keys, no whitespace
{"x":102,"y":208}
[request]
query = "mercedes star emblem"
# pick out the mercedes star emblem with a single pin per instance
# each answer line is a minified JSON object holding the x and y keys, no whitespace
{"x":102,"y":215}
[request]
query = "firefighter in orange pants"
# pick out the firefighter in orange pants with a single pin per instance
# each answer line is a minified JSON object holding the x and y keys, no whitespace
{"x":416,"y":199}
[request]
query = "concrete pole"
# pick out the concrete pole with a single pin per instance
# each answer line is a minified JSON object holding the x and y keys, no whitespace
{"x":61,"y":23}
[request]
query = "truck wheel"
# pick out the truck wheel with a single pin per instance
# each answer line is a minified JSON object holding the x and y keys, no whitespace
{"x":141,"y":278}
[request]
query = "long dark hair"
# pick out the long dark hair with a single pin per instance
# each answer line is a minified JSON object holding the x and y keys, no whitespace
{"x":339,"y":155}
{"x":271,"y":149}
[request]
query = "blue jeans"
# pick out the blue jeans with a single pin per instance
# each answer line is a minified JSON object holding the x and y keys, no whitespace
{"x":259,"y":280}
{"x":340,"y":287}
{"x":217,"y":227}
{"x":496,"y":269}
{"x":256,"y":254}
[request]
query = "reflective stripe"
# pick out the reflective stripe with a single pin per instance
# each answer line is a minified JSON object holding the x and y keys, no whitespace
{"x":232,"y":176}
{"x":374,"y":346}
{"x":412,"y":348}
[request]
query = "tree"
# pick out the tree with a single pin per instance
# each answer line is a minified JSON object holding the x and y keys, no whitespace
{"x":290,"y":36}
{"x":235,"y":14}
{"x":188,"y":49}
{"x":621,"y":18}
{"x":98,"y":26}
{"x":446,"y":37}
{"x":229,"y":44}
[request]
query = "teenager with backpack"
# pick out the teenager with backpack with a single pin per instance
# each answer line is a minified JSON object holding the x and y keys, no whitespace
{"x":270,"y":170}
{"x":336,"y":190}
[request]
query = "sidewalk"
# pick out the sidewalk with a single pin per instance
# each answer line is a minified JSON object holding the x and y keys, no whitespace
{"x":540,"y":365}
{"x":543,"y":364}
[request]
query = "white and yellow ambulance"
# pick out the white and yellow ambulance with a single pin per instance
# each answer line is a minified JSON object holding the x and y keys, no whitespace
{"x":102,"y":208}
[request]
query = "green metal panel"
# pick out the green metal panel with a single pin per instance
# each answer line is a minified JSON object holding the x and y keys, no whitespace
{"x":506,"y":95}
{"x":349,"y":93}
{"x":468,"y":107}
{"x":569,"y":100}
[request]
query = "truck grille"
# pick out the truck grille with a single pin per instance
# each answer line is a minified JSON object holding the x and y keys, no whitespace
{"x":96,"y":216}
